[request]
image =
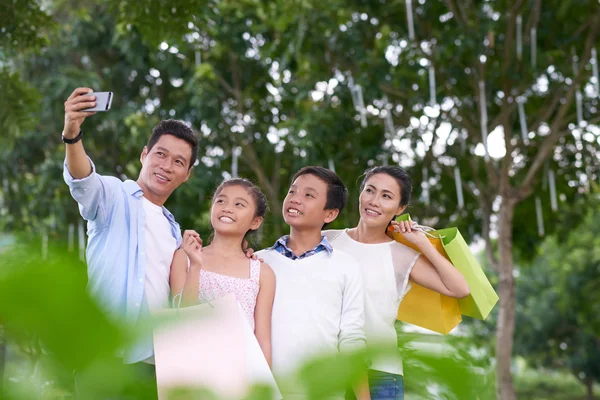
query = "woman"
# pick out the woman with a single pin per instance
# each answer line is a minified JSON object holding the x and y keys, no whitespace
{"x":387,"y":266}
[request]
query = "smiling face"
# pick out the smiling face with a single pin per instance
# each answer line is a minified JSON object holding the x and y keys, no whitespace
{"x":380,"y":201}
{"x":233,"y":211}
{"x":304,"y":205}
{"x":164,"y":168}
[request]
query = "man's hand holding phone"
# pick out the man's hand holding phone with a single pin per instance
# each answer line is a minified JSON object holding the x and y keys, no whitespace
{"x":74,"y":114}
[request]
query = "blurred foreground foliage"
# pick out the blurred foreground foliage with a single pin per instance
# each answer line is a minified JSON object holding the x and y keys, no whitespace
{"x":54,"y":328}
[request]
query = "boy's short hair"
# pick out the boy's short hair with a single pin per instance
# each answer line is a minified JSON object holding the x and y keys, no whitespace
{"x":337,"y":193}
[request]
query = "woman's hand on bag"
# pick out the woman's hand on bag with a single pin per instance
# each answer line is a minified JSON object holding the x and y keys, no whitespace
{"x":192,"y":246}
{"x":407,"y":229}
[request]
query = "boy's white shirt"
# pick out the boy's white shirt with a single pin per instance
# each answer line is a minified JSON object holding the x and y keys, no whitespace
{"x":318,"y":309}
{"x":386,"y":269}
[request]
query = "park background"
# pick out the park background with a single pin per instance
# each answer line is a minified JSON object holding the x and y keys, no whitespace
{"x":272,"y":86}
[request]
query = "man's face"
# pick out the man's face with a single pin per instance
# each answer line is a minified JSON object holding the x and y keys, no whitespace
{"x":164,"y":167}
{"x":304,"y":205}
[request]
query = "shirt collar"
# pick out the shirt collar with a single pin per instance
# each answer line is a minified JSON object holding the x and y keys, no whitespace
{"x":284,"y":240}
{"x":133,"y":188}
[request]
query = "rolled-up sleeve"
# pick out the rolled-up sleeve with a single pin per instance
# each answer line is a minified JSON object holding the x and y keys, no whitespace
{"x":89,"y":192}
{"x":352,"y":333}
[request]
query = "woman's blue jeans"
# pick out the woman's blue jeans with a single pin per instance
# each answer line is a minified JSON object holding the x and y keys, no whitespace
{"x":382,"y":386}
{"x":385,"y":386}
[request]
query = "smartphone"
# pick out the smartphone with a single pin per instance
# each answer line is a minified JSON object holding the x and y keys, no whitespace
{"x":103,"y":101}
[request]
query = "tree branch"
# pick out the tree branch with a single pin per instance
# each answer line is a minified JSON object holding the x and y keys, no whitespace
{"x":534,"y":17}
{"x":509,"y":37}
{"x":460,"y":4}
{"x":225,"y":84}
{"x":550,"y":109}
{"x":485,"y":200}
{"x":459,"y":17}
{"x":505,"y":115}
{"x":550,"y":141}
{"x":498,"y":120}
{"x":235,"y":77}
{"x":507,"y":107}
{"x":393,"y":91}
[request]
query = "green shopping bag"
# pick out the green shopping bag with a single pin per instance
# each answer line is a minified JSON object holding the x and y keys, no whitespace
{"x":483,"y":298}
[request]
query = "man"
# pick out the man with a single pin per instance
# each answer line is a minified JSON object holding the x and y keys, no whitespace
{"x":131,"y":235}
{"x":319,"y":304}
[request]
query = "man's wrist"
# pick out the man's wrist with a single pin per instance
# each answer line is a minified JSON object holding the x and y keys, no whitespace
{"x":72,"y":140}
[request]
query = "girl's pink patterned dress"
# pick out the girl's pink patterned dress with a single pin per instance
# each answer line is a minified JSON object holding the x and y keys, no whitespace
{"x":214,"y":286}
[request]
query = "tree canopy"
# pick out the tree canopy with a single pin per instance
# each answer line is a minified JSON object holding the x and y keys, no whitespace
{"x":492,"y":106}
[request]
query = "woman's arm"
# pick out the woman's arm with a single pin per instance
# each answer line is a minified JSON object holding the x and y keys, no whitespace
{"x":433,"y":271}
{"x":264,"y":309}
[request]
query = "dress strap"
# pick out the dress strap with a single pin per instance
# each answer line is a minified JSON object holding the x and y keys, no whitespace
{"x":255,"y":270}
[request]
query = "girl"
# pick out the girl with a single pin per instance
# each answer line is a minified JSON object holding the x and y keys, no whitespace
{"x":221,"y":268}
{"x":387,"y":266}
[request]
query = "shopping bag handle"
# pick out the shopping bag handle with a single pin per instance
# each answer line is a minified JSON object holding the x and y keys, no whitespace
{"x":427,"y":231}
{"x":422,"y":228}
{"x":177,"y":299}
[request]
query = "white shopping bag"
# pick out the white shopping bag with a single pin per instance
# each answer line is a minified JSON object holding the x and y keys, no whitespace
{"x":204,"y":347}
{"x":258,"y":369}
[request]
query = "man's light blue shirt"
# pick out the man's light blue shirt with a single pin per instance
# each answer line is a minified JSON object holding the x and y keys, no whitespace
{"x":116,"y":253}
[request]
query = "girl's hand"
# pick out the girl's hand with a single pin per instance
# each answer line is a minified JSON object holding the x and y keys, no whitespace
{"x":192,"y":246}
{"x":412,"y":235}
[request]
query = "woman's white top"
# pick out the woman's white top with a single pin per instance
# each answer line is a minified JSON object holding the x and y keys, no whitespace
{"x":385,"y":268}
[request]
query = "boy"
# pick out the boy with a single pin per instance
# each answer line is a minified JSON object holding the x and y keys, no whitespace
{"x":319,"y":304}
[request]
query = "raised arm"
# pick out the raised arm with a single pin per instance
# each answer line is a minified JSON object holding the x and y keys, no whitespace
{"x":93,"y":192}
{"x":192,"y":247}
{"x":264,"y":309}
{"x":77,"y":161}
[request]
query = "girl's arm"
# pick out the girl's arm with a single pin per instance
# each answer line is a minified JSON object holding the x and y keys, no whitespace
{"x":178,"y":274}
{"x":434,"y":271}
{"x":263,"y":310}
{"x":192,"y":286}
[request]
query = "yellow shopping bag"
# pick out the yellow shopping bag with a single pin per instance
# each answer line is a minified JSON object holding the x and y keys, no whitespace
{"x":439,"y":310}
{"x":424,"y":307}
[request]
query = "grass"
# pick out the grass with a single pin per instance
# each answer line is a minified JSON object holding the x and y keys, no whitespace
{"x":550,"y":385}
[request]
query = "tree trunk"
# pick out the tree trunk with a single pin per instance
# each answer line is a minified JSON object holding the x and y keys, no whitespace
{"x":506,"y":317}
{"x":589,"y":389}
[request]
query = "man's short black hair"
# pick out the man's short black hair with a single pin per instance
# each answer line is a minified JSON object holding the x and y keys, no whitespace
{"x":337,"y":194}
{"x":178,"y":129}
